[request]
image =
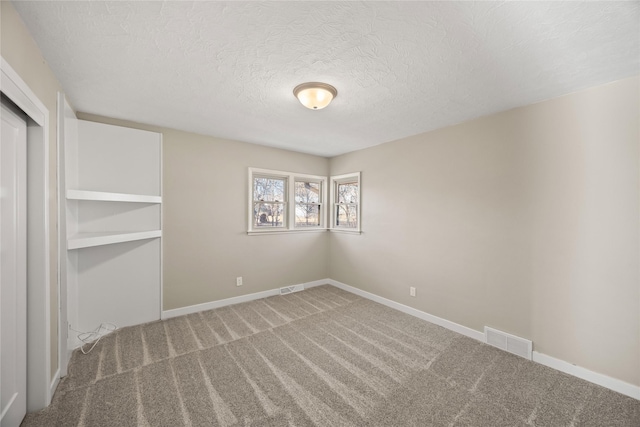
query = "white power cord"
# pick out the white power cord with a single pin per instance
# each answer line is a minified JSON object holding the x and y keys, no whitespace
{"x":94,"y":336}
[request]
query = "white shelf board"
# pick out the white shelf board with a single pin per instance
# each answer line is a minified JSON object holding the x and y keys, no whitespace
{"x":87,"y":240}
{"x":111,"y":197}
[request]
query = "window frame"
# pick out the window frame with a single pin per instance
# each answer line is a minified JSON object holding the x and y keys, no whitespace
{"x":342,"y":179}
{"x":290,"y":179}
{"x":283,"y":202}
{"x":322,"y":201}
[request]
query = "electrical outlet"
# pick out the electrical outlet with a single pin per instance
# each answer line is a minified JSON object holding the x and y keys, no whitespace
{"x":412,"y":291}
{"x":239,"y":281}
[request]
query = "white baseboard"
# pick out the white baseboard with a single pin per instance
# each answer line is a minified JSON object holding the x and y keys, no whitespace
{"x":167,"y":314}
{"x":471,"y":333}
{"x":316,"y":283}
{"x":585,"y":374}
{"x":557,"y":364}
{"x":54,"y":384}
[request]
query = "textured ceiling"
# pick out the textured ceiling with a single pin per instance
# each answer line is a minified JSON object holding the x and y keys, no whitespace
{"x":228,"y":69}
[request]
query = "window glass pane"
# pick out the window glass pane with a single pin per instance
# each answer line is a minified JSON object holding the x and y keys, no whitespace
{"x":348,"y":192}
{"x":307,"y":215}
{"x":347,"y":216}
{"x":268,"y":189}
{"x":307,"y":192}
{"x":268,"y":215}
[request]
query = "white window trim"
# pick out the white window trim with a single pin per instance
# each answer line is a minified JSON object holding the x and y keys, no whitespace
{"x":290,"y":203}
{"x":337,"y":179}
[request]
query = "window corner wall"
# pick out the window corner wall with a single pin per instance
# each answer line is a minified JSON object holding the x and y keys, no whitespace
{"x":281,"y":202}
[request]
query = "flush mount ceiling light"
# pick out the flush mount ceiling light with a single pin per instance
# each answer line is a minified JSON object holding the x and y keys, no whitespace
{"x":314,"y":95}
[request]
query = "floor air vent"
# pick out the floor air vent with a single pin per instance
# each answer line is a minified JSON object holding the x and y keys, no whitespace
{"x":507,"y":342}
{"x":291,"y":289}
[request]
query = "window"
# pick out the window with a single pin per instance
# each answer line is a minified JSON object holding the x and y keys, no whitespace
{"x":308,"y":195}
{"x":269,"y":203}
{"x":345,"y":202}
{"x":285,"y":201}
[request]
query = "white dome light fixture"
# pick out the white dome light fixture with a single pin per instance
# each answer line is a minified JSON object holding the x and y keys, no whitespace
{"x":315,"y":95}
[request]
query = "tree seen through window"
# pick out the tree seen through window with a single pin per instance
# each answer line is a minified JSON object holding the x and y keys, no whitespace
{"x":268,"y":202}
{"x":308,"y":204}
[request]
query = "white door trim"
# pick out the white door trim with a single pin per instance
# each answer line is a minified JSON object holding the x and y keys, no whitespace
{"x":38,"y":251}
{"x":64,"y":112}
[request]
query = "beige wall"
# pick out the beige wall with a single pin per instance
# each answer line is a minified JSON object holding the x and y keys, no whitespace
{"x":206,"y":245}
{"x":526,"y":221}
{"x":20,"y":51}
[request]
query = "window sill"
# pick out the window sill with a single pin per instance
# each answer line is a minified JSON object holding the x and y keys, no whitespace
{"x":339,"y":230}
{"x":286,"y":231}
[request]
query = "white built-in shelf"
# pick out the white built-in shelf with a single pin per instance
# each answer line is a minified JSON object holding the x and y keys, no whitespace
{"x":111,"y":197}
{"x":87,"y":240}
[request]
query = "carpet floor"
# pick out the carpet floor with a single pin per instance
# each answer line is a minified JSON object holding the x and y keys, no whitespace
{"x":321,"y":357}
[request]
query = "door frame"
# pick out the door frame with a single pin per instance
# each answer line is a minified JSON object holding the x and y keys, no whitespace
{"x":40,"y":384}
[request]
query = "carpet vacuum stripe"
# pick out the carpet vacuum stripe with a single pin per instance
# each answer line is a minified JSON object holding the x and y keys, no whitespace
{"x":320,"y":357}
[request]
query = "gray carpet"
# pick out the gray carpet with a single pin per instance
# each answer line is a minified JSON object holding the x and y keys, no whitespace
{"x":321,"y":357}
